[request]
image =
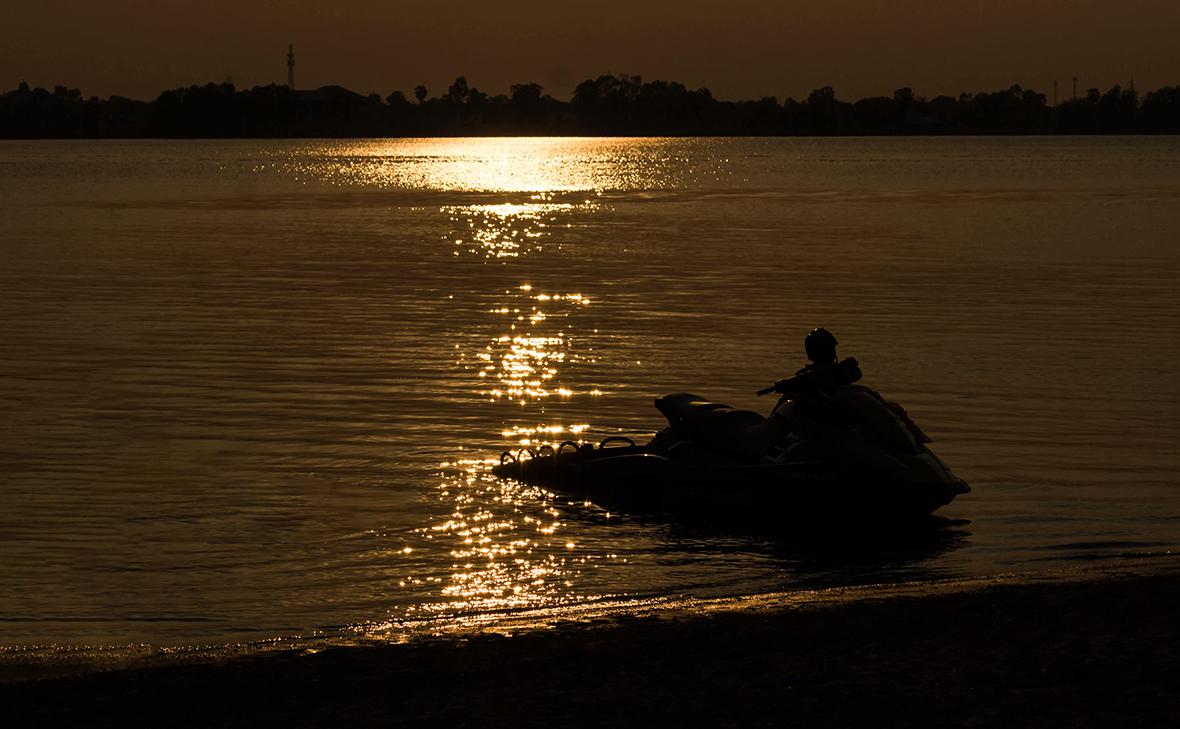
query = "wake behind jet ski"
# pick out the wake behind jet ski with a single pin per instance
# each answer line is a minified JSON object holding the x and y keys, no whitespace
{"x":831,"y":449}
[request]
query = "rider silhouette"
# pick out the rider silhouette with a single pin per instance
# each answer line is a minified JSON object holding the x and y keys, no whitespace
{"x":815,"y":384}
{"x":828,"y":374}
{"x":820,"y":345}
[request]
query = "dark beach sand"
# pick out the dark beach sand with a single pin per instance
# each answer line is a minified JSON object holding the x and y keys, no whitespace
{"x":1095,"y":648}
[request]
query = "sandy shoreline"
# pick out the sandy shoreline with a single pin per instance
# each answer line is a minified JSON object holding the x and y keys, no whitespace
{"x":1087,"y":647}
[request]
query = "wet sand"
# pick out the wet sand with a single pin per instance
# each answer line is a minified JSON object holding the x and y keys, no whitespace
{"x":1086,"y":648}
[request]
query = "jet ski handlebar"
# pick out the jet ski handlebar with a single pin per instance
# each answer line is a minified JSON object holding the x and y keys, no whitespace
{"x":845,"y":372}
{"x":773,"y":388}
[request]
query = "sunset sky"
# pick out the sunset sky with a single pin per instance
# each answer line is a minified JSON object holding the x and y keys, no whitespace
{"x":738,"y":48}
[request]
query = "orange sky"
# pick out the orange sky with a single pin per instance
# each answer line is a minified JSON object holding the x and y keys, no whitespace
{"x":737,"y":48}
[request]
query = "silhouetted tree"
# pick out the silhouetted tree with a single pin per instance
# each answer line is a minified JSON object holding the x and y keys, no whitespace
{"x":525,"y":94}
{"x":823,"y":113}
{"x":1117,"y":110}
{"x":529,"y":110}
{"x":945,"y":110}
{"x":1161,"y":111}
{"x":605,"y":105}
{"x":910,"y":113}
{"x":877,"y":115}
{"x":1014,"y":110}
{"x":457,"y":93}
{"x":608,"y":104}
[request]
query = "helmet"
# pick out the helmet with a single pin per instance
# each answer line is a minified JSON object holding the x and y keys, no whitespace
{"x":820,"y":345}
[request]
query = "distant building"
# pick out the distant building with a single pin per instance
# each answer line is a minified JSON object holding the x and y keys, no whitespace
{"x":331,"y":95}
{"x":291,"y":66}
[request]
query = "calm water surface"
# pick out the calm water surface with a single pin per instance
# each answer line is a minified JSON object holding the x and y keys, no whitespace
{"x":249,"y":389}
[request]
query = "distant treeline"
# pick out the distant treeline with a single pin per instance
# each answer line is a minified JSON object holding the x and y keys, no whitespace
{"x":608,"y":105}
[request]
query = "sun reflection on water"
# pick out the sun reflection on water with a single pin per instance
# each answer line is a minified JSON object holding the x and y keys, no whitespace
{"x":483,"y":164}
{"x":497,"y":545}
{"x":524,"y":360}
{"x":544,"y":434}
{"x":506,"y":230}
{"x":505,"y":545}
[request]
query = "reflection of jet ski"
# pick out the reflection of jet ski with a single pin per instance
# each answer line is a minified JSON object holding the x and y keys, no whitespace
{"x":832,"y":449}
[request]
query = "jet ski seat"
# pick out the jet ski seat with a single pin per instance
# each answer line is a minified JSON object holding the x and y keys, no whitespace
{"x":742,"y":433}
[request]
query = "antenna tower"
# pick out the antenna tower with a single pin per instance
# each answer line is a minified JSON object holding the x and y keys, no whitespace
{"x":291,"y":66}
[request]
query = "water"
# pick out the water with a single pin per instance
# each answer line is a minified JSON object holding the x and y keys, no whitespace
{"x":250,"y":388}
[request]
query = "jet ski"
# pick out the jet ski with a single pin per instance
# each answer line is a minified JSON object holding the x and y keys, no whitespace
{"x":831,"y":449}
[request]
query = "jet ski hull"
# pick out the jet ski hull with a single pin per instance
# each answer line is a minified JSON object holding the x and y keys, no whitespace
{"x":639,"y":478}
